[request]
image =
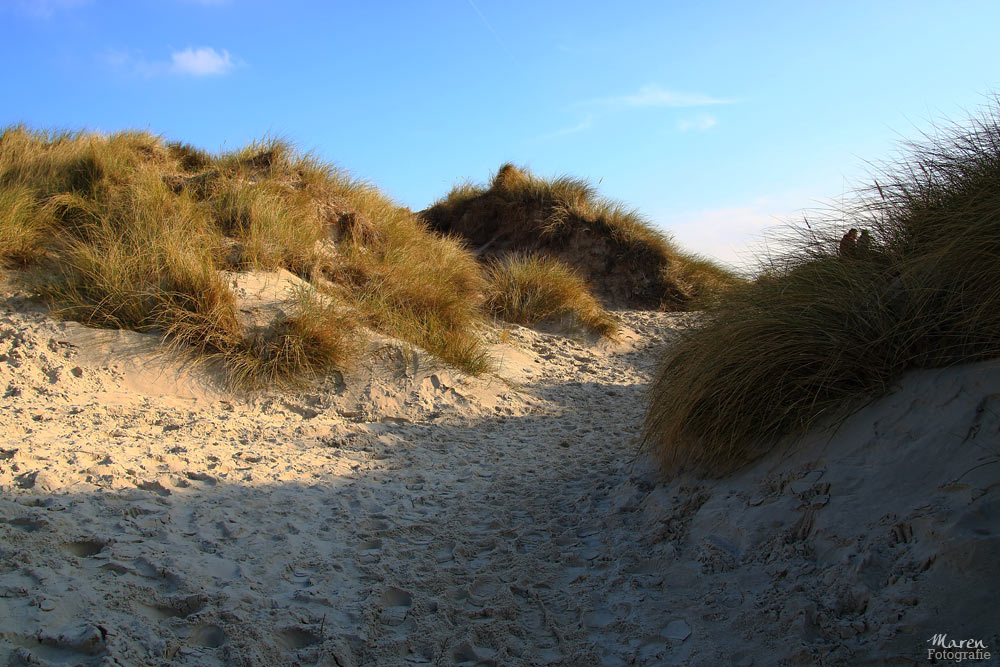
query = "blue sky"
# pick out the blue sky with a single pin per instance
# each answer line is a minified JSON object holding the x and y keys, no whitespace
{"x":714,"y":119}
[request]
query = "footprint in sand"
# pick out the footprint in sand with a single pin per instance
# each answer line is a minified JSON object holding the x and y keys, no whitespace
{"x":370,"y":552}
{"x":531,"y":618}
{"x":144,"y":568}
{"x":482,"y":591}
{"x":395,"y":604}
{"x":208,"y":635}
{"x":467,"y":654}
{"x":156,"y":486}
{"x":83,"y":638}
{"x":297,"y":637}
{"x":84,"y":548}
{"x":599,"y":619}
{"x":373,"y":524}
{"x":27,"y":524}
{"x":420,"y":654}
{"x":445,"y":553}
{"x":211,"y":480}
{"x":676,"y":630}
{"x":174,"y":608}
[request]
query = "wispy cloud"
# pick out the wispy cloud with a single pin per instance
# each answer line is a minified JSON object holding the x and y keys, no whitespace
{"x":203,"y":61}
{"x":195,"y":62}
{"x":43,"y":9}
{"x":652,"y":95}
{"x":648,"y":96}
{"x":701,"y":123}
{"x":582,"y":126}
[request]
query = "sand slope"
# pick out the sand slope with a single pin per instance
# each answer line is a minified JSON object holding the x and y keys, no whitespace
{"x":406,"y":514}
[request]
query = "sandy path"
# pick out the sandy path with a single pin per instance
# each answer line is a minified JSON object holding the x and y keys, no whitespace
{"x":432,"y":519}
{"x":510,"y":557}
{"x":149,"y":529}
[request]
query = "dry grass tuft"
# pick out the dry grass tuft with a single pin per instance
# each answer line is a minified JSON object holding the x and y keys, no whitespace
{"x":840,"y":317}
{"x":625,"y":260}
{"x":530,"y":289}
{"x":24,"y":225}
{"x":321,"y":335}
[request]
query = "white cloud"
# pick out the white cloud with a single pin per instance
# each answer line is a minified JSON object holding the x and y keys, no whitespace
{"x":702,"y":123}
{"x":652,"y":95}
{"x":203,"y":61}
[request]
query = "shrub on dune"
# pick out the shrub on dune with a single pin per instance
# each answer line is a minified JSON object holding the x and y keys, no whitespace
{"x":529,"y":289}
{"x":137,"y":257}
{"x":839,"y":317}
{"x":319,"y":335}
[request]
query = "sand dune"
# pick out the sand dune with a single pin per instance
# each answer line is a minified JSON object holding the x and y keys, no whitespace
{"x":406,"y":514}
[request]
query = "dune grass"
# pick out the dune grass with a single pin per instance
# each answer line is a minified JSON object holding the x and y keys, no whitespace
{"x":831,"y":322}
{"x":530,"y":289}
{"x":405,"y":280}
{"x":24,"y":225}
{"x":273,"y":228}
{"x":624,"y":258}
{"x":128,"y":231}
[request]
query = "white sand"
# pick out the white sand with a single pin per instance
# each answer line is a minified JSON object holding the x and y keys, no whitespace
{"x":406,"y":514}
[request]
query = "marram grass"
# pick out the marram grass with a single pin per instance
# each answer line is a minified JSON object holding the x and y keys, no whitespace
{"x":530,"y":289}
{"x":127,"y":230}
{"x":834,"y":321}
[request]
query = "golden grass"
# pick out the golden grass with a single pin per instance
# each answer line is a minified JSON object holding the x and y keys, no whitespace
{"x":819,"y":329}
{"x":273,"y":228}
{"x":129,"y":231}
{"x":530,"y":289}
{"x":405,"y":280}
{"x":24,"y":225}
{"x":624,"y":258}
{"x":398,"y":276}
{"x":320,"y":335}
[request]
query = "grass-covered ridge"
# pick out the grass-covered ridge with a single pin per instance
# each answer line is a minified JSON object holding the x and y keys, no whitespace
{"x":128,"y":230}
{"x":626,"y":261}
{"x":843,"y":314}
